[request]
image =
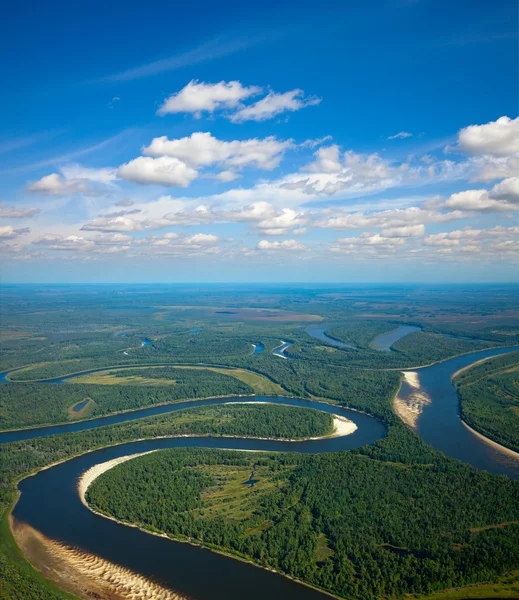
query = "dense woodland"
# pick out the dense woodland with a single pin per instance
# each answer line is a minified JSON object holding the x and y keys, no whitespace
{"x":489,"y":398}
{"x":26,"y":404}
{"x":17,"y":459}
{"x":407,"y":518}
{"x":386,"y":527}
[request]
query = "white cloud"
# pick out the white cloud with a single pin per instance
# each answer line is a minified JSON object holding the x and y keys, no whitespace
{"x":18,"y":213}
{"x":401,"y":135}
{"x":274,"y":104}
{"x":165,"y":171}
{"x":120,"y":224}
{"x":500,"y":138}
{"x":201,"y":239}
{"x":504,"y":196}
{"x":327,"y":160}
{"x":198,"y":97}
{"x":507,"y":190}
{"x":227,"y":176}
{"x":58,"y":242}
{"x":285,"y":245}
{"x":399,"y":217}
{"x":202,"y":149}
{"x":371,"y":239}
{"x":8,"y":232}
{"x":74,"y":172}
{"x":55,"y":185}
{"x":440,"y":239}
{"x":404,"y":231}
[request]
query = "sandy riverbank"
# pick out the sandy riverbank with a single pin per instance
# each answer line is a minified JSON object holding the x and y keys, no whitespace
{"x":410,"y":408}
{"x":495,"y":445}
{"x":82,"y":574}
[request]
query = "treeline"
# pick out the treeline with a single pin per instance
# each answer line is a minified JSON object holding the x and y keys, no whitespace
{"x":489,"y":398}
{"x":29,"y":404}
{"x":390,"y":528}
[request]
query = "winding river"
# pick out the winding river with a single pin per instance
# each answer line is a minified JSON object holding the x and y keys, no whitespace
{"x":50,"y":503}
{"x":382,"y":342}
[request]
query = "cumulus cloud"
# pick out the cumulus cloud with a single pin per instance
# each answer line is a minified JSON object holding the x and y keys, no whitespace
{"x":401,"y":135}
{"x":18,"y":213}
{"x":75,"y":179}
{"x":8,"y":232}
{"x":504,"y":196}
{"x":274,"y":104}
{"x":370,"y":239}
{"x":404,"y":231}
{"x":121,"y":224}
{"x":392,"y":218}
{"x":198,"y":97}
{"x":164,"y":170}
{"x":56,"y":185}
{"x":290,"y":245}
{"x":202,"y":149}
{"x":500,"y":138}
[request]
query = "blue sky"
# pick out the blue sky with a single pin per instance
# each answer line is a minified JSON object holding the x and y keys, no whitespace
{"x":374,"y":141}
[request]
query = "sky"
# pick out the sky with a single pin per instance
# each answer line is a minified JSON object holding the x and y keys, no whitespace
{"x":373,"y":141}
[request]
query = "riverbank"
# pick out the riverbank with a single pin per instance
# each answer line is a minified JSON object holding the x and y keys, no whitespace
{"x":410,"y":408}
{"x":94,"y":472}
{"x":491,"y":443}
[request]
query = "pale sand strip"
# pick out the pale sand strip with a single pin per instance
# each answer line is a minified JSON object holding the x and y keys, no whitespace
{"x":341,"y":425}
{"x":85,"y":575}
{"x":410,"y":408}
{"x":89,"y":476}
{"x":495,"y":445}
{"x":412,"y":378}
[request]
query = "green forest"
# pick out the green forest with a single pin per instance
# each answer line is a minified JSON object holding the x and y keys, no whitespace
{"x":388,"y":519}
{"x":28,"y":404}
{"x":347,"y":523}
{"x":489,"y":398}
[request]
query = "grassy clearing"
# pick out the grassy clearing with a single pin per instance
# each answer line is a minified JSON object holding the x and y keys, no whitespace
{"x":506,"y":586}
{"x":230,"y":498}
{"x":259,"y":383}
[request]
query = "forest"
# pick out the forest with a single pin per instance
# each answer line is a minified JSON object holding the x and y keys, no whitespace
{"x":489,"y":398}
{"x":29,"y":404}
{"x":393,"y":529}
{"x":384,"y":520}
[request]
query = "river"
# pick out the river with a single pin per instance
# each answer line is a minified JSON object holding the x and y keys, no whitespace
{"x":49,"y":500}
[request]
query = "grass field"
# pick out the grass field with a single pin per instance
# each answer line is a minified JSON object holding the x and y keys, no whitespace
{"x":259,"y":383}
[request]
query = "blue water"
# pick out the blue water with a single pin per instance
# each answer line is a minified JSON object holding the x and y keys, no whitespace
{"x":280,"y":350}
{"x":384,"y":341}
{"x":258,"y":348}
{"x":319,"y":333}
{"x":49,"y":502}
{"x":80,"y":405}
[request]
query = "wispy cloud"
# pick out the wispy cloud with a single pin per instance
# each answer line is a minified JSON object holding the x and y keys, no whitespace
{"x":23,"y":142}
{"x":211,"y":50}
{"x":65,"y":158}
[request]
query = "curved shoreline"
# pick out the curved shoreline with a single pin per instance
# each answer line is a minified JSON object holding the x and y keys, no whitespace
{"x":496,"y":445}
{"x":490,"y":442}
{"x":342,"y":427}
{"x":404,"y":411}
{"x":78,"y":564}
